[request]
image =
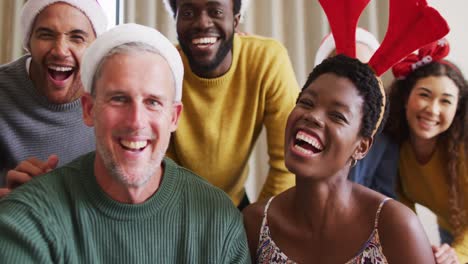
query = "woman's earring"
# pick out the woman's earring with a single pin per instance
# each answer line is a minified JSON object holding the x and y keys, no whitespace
{"x":353,"y":162}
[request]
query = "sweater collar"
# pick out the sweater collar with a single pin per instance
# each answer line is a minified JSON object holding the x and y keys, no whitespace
{"x":121,"y":211}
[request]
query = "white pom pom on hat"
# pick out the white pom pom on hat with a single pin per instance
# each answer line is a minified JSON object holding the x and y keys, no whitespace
{"x":90,"y":8}
{"x":130,"y":33}
{"x":328,"y":44}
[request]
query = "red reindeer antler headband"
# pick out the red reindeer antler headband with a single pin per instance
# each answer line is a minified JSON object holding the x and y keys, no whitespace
{"x":412,"y":24}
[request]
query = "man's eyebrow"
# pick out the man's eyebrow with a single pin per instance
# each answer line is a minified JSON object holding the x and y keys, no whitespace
{"x":43,"y":29}
{"x":186,"y":5}
{"x":74,"y":31}
{"x":214,"y":3}
{"x":79,"y":32}
{"x":112,"y":91}
{"x":161,"y":97}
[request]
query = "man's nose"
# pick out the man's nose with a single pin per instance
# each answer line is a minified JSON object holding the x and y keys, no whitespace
{"x":61,"y":47}
{"x":136,"y":116}
{"x":204,"y":20}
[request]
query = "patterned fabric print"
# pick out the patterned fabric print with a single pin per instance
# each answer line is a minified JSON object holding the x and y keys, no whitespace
{"x":268,"y":252}
{"x":372,"y":252}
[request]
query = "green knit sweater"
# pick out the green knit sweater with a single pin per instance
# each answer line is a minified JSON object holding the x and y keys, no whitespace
{"x":64,"y":217}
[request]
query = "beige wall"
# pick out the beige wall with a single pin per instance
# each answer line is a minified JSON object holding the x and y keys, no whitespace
{"x":10,"y":43}
{"x":456,"y":14}
{"x":453,"y":10}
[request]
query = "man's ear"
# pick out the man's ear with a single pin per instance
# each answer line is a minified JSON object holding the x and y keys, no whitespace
{"x":236,"y":21}
{"x":87,"y":104}
{"x":175,"y":115}
{"x":363,"y":148}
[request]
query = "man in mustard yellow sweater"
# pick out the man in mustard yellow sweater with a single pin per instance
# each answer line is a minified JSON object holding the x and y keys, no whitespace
{"x":233,"y":85}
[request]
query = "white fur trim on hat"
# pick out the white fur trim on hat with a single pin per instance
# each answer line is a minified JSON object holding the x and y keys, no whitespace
{"x":328,"y":44}
{"x":90,"y":8}
{"x":244,"y":5}
{"x":128,"y":33}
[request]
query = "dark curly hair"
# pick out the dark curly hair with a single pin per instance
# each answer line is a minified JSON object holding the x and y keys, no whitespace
{"x":366,"y":82}
{"x":397,"y":128}
{"x":236,"y":9}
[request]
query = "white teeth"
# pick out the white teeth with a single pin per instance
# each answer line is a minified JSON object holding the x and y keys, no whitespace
{"x":133,"y":144}
{"x":303,"y":150}
{"x":60,"y":69}
{"x":310,"y":140}
{"x":428,"y":121}
{"x":204,"y":41}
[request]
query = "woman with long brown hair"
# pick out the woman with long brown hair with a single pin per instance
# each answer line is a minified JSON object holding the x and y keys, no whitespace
{"x":428,"y":120}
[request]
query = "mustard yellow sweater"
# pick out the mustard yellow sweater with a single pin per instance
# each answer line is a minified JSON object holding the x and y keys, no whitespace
{"x":223,"y":117}
{"x":426,"y":185}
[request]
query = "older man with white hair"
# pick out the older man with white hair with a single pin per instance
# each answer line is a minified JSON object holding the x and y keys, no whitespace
{"x":40,"y":111}
{"x":124,"y":203}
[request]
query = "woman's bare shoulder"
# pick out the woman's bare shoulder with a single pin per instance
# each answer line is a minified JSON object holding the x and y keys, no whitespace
{"x":255,"y":210}
{"x":402,"y":236}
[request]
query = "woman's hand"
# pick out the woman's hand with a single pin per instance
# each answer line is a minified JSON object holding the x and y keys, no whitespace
{"x":445,"y":254}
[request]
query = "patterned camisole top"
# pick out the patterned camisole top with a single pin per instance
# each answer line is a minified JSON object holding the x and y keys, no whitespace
{"x":370,"y":253}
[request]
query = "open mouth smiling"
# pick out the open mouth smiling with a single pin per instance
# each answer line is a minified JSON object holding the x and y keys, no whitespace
{"x":307,"y":144}
{"x":427,"y":121}
{"x":204,"y":43}
{"x":60,"y":73}
{"x":134,"y":145}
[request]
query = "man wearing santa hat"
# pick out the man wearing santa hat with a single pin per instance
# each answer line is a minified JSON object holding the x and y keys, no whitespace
{"x":125,"y":202}
{"x":40,"y":120}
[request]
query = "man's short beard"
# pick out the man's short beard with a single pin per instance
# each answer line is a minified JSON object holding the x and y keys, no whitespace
{"x":118,"y":174}
{"x":224,"y":49}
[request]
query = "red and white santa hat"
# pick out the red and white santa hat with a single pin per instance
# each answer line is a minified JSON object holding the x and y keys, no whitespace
{"x":90,"y":8}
